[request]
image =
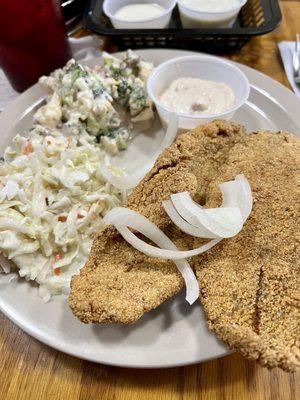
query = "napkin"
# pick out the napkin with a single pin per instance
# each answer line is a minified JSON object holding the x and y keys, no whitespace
{"x":83,"y":48}
{"x":286,"y":50}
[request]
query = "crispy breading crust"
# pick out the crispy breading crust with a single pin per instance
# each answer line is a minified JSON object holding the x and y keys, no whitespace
{"x":118,"y":283}
{"x":250,"y":284}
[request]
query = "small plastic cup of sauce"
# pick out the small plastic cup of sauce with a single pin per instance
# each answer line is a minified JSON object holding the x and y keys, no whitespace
{"x":160,"y":21}
{"x":194,"y":18}
{"x":203,"y":67}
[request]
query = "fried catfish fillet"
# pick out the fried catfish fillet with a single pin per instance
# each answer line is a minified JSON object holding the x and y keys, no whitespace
{"x":250,"y":284}
{"x":118,"y":284}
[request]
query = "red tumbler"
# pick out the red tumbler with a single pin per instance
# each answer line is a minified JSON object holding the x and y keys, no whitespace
{"x":32,"y":40}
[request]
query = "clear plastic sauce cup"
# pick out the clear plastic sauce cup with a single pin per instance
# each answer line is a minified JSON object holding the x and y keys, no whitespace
{"x":207,"y":19}
{"x":202,"y":67}
{"x":110,"y":7}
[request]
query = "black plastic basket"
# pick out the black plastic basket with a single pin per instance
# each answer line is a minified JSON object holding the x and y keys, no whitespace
{"x":257,"y":17}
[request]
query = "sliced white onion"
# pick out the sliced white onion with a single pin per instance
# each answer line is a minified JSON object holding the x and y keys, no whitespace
{"x":136,"y":221}
{"x":171,"y":133}
{"x":247,"y":204}
{"x":238,"y":193}
{"x":126,"y":181}
{"x":228,"y":217}
{"x":183,"y":225}
{"x":223,"y":222}
{"x":165,"y":254}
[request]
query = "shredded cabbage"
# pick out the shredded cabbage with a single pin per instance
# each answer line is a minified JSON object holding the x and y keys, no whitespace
{"x":52,"y":200}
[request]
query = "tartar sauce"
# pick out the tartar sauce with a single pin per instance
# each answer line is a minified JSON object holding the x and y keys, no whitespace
{"x":197,"y":96}
{"x":211,"y":5}
{"x":139,"y":12}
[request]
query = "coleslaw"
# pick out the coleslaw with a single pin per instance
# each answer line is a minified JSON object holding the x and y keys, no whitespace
{"x":52,"y":200}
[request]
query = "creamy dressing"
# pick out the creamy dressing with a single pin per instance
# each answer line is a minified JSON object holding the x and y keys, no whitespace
{"x":197,"y":96}
{"x":211,"y":5}
{"x":139,"y":12}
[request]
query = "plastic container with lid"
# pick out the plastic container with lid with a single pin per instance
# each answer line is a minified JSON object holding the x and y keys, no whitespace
{"x":191,"y":18}
{"x":203,"y":67}
{"x":110,"y":7}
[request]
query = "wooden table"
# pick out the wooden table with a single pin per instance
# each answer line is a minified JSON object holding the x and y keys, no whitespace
{"x":30,"y":370}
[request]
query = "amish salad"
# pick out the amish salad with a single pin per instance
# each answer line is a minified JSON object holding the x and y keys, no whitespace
{"x":82,"y":100}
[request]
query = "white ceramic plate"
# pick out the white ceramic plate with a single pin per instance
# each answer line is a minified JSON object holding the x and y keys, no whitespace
{"x":175,"y":334}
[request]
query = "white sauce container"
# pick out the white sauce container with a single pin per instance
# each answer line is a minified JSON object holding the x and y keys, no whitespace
{"x":202,"y":67}
{"x":110,"y":7}
{"x":206,"y":19}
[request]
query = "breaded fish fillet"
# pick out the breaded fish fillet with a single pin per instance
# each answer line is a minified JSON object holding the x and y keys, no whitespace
{"x":250,"y":284}
{"x":118,"y":283}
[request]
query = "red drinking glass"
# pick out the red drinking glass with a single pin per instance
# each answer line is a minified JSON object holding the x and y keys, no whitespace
{"x":32,"y":40}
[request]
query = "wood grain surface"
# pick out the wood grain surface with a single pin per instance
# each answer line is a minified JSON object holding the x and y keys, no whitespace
{"x":30,"y":370}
